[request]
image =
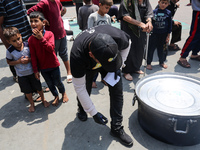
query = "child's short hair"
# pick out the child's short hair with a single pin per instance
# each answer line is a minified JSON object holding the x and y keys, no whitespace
{"x":10,"y":32}
{"x":37,"y":14}
{"x":165,"y":0}
{"x":106,"y":2}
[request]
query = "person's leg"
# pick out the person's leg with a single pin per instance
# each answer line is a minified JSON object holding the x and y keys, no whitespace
{"x":176,"y":36}
{"x":12,"y":69}
{"x":36,"y":86}
{"x":45,"y":103}
{"x":160,"y":42}
{"x":61,"y":48}
{"x":78,"y":5}
{"x":176,"y":33}
{"x":58,"y":83}
{"x":116,"y":105}
{"x":26,"y":88}
{"x":30,"y":99}
{"x":152,"y":47}
{"x":140,"y":50}
{"x":49,"y":80}
{"x":136,"y":54}
{"x":192,"y":41}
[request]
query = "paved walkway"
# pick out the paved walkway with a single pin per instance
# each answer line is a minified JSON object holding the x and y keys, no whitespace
{"x":56,"y":128}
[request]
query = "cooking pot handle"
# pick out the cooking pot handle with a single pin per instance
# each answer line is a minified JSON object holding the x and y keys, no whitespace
{"x":135,"y":98}
{"x":190,"y":121}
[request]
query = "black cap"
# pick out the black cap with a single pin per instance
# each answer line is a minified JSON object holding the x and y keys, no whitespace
{"x":105,"y":50}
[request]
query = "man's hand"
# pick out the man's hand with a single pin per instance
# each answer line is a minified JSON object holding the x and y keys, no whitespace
{"x":149,"y":26}
{"x":99,"y":118}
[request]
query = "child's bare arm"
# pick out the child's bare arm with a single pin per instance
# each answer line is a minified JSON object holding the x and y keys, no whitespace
{"x":37,"y":75}
{"x":14,"y":62}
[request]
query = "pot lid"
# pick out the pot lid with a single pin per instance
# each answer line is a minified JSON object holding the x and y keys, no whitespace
{"x":172,"y":93}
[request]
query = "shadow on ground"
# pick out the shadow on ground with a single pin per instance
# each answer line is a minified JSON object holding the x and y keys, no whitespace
{"x":86,"y":135}
{"x":11,"y":116}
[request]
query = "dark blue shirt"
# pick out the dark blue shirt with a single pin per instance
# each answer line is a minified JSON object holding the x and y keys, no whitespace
{"x":162,"y":21}
{"x":14,"y":12}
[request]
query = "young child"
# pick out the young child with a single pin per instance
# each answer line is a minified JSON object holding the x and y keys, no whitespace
{"x":176,"y":26}
{"x":52,"y":12}
{"x":162,"y":27}
{"x":84,"y":13}
{"x":43,"y":56}
{"x":100,"y":17}
{"x":18,"y":55}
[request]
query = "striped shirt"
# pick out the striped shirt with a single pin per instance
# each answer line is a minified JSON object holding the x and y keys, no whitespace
{"x":14,"y":12}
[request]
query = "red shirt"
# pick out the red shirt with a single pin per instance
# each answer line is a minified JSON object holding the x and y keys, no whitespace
{"x":51,"y":11}
{"x":42,"y":52}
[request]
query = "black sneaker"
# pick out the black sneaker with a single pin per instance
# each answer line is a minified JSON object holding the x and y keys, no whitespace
{"x":121,"y":134}
{"x":82,"y":115}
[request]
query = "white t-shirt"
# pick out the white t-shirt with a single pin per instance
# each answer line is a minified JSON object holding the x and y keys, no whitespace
{"x":95,"y":19}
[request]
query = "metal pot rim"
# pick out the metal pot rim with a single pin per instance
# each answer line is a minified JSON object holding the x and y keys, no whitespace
{"x":172,"y":93}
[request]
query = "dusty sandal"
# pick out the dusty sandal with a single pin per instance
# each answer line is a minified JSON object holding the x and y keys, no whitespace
{"x":149,"y":67}
{"x":128,"y":77}
{"x":184,"y":63}
{"x":196,"y":58}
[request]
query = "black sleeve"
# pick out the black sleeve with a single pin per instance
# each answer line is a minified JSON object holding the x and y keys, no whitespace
{"x":77,"y":64}
{"x":122,"y":12}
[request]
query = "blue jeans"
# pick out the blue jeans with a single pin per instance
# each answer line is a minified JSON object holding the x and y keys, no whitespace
{"x":53,"y":80}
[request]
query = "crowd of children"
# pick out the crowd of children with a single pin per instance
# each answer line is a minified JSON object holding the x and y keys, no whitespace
{"x":47,"y":25}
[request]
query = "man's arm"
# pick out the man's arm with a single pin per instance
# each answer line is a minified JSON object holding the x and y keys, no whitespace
{"x":84,"y":98}
{"x":129,"y":19}
{"x":3,"y":39}
{"x":38,"y":7}
{"x":124,"y":53}
{"x":86,"y":102}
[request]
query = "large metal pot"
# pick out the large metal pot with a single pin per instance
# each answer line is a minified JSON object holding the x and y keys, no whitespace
{"x":169,"y":107}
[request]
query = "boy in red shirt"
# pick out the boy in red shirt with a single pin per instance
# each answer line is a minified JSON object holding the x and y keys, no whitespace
{"x":52,"y":13}
{"x":43,"y":56}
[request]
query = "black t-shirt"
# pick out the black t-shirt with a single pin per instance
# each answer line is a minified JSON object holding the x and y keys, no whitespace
{"x":80,"y":60}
